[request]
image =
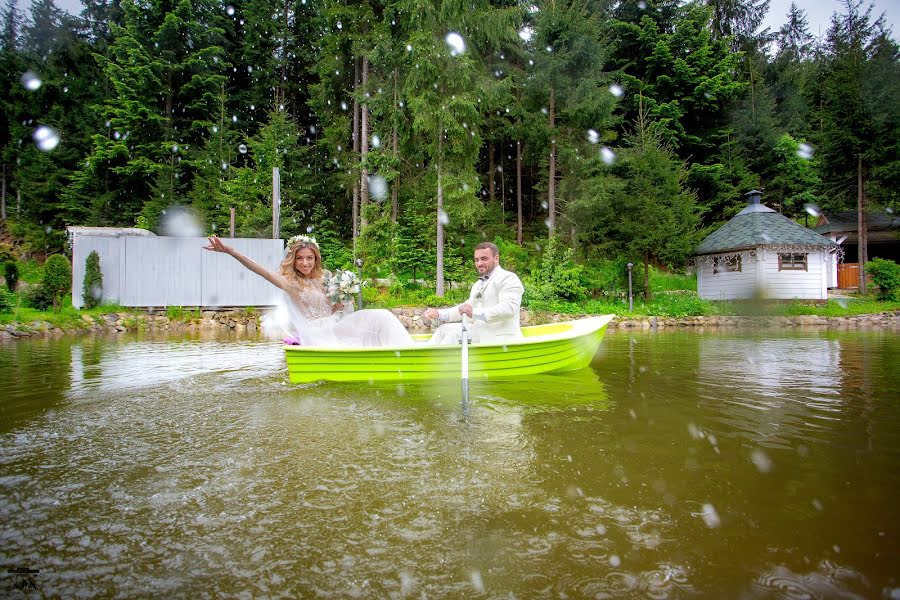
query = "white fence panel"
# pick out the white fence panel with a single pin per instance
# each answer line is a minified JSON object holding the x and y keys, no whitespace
{"x":162,"y":271}
{"x":112,"y":266}
{"x":225,"y":282}
{"x":168,"y":271}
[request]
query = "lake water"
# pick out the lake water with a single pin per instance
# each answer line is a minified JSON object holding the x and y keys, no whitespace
{"x":679,"y":465}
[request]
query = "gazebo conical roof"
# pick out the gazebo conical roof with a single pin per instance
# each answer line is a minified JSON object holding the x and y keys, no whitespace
{"x":757,"y":226}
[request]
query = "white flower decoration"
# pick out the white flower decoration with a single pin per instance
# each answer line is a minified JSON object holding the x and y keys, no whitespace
{"x":302,"y":239}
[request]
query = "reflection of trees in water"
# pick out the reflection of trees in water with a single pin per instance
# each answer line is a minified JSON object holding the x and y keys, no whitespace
{"x":34,"y":375}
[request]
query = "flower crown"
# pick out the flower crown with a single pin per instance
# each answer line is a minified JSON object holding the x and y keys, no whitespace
{"x":302,"y":239}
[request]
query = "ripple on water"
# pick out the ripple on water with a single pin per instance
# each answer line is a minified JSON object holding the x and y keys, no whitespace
{"x":828,"y":580}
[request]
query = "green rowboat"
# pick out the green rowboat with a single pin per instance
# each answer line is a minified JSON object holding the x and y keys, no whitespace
{"x":561,"y":346}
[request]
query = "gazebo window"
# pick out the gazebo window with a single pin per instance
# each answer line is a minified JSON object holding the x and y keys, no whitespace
{"x":727,"y":264}
{"x":792,"y":261}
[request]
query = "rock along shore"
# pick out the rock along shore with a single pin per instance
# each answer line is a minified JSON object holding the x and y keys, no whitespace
{"x":247,"y":322}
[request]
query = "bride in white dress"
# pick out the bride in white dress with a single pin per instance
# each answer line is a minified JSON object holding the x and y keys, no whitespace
{"x":318,"y":322}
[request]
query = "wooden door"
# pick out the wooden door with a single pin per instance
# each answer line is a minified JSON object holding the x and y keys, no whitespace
{"x":848,"y":276}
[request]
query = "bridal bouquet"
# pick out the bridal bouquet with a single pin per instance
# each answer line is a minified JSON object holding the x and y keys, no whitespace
{"x":341,"y":286}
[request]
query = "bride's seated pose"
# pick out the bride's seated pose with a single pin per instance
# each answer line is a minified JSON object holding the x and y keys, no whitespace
{"x":318,"y":322}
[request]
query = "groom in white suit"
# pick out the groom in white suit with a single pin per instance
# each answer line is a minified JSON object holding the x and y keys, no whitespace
{"x":493,"y":304}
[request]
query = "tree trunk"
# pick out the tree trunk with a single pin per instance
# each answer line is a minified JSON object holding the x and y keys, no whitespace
{"x":3,"y":196}
{"x":518,"y":192}
{"x":491,"y":170}
{"x":439,"y":276}
{"x":551,"y":183}
{"x":364,"y":149}
{"x":354,"y":135}
{"x":646,"y":276}
{"x":395,"y":187}
{"x":862,"y":231}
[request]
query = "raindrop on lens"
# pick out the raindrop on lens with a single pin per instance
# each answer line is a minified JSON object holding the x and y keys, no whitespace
{"x":456,"y":43}
{"x":378,"y":187}
{"x":376,"y":141}
{"x":525,"y":34}
{"x":31,"y":81}
{"x":174,"y":148}
{"x":309,"y":229}
{"x":607,"y":155}
{"x":642,"y":5}
{"x":242,"y":149}
{"x":544,"y":205}
{"x":343,"y":106}
{"x":444,"y":218}
{"x":46,"y":138}
{"x":340,"y":25}
{"x":592,"y":136}
{"x":762,"y":462}
{"x":224,"y":165}
{"x":812,"y":209}
{"x":179,"y":222}
{"x":616,"y":90}
{"x":615,"y":561}
{"x":710,"y":516}
{"x":805,"y":151}
{"x":229,"y":11}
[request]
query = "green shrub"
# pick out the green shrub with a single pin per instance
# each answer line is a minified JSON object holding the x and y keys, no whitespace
{"x":57,"y":278}
{"x":557,"y":277}
{"x":92,"y":289}
{"x":38,"y":297}
{"x":7,"y":254}
{"x":7,"y":301}
{"x":886,"y":275}
{"x":11,"y":274}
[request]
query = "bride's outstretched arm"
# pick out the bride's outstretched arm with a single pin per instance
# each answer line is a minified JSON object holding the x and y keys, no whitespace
{"x":216,"y":245}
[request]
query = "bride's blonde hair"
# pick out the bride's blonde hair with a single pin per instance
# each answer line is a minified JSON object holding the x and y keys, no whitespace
{"x":290,"y":272}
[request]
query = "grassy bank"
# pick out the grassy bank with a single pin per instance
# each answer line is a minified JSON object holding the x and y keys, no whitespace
{"x":672,"y":295}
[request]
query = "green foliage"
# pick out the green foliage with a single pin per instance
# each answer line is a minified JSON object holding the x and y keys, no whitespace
{"x":836,"y":307}
{"x":180,"y":313}
{"x":334,"y":252}
{"x":557,"y":277}
{"x":886,"y":275}
{"x":92,"y":289}
{"x":57,"y":279}
{"x":11,"y":275}
{"x":7,"y":254}
{"x":38,"y":297}
{"x":7,"y":301}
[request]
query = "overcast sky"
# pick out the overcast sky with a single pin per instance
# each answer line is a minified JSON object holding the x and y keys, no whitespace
{"x":818,"y":12}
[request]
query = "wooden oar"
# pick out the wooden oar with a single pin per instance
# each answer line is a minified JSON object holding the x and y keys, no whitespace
{"x":465,"y":364}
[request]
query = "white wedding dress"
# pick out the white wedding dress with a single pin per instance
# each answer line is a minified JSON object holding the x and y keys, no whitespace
{"x":310,"y":315}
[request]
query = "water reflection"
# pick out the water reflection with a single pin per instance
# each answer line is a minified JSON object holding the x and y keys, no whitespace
{"x":189,"y":466}
{"x":770,"y":401}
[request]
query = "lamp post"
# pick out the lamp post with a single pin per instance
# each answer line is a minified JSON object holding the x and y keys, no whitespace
{"x":359,"y":266}
{"x":630,"y":297}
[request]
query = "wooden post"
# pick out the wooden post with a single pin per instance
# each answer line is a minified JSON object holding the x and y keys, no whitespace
{"x":3,"y":197}
{"x":276,"y":203}
{"x":231,"y":229}
{"x":862,"y":229}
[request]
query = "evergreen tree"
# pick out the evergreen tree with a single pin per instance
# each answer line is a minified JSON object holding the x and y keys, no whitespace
{"x":647,"y":213}
{"x":572,"y":87}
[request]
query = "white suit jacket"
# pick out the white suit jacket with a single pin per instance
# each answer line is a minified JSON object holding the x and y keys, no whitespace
{"x":495,"y":307}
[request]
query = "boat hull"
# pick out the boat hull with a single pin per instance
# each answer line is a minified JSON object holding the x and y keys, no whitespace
{"x":553,"y":347}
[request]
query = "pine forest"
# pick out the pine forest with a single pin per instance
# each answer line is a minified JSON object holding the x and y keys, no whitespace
{"x":406,"y":131}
